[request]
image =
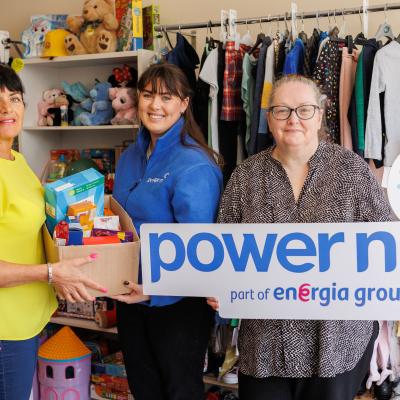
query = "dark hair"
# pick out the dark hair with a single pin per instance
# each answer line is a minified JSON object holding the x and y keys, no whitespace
{"x":170,"y":78}
{"x":9,"y":79}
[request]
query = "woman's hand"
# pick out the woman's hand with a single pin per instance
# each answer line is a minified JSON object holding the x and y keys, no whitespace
{"x":135,"y":296}
{"x":213,"y":302}
{"x":69,"y":281}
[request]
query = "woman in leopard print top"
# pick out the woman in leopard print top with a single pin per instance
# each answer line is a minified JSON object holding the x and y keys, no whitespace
{"x":302,"y":179}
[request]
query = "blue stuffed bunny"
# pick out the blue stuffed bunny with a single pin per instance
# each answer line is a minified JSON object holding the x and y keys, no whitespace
{"x":102,"y":110}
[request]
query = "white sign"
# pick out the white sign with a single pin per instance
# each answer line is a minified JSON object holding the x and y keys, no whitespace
{"x":280,"y":271}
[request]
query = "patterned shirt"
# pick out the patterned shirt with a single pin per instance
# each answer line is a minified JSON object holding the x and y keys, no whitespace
{"x":339,"y":187}
{"x":326,"y":75}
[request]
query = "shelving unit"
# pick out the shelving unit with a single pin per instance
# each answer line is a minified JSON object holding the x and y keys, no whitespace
{"x":81,"y":323}
{"x":39,"y":74}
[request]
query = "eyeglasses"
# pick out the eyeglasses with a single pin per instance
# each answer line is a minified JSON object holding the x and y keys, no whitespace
{"x":304,"y":112}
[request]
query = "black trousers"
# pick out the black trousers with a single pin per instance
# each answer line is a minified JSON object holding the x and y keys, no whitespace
{"x":342,"y":387}
{"x":164,"y":348}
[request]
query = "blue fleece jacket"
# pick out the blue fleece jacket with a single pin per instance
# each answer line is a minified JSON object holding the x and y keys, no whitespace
{"x":176,"y":184}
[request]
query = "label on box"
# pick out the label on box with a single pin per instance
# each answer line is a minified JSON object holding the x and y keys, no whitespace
{"x":63,"y":187}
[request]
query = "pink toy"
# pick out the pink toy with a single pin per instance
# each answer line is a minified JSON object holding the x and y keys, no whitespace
{"x":64,"y":367}
{"x":51,"y":98}
{"x":124,"y":103}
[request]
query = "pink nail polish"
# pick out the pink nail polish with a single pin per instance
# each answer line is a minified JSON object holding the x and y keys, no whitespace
{"x":104,"y":290}
{"x":93,"y":256}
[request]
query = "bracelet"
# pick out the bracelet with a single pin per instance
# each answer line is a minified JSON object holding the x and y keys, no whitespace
{"x":49,"y":273}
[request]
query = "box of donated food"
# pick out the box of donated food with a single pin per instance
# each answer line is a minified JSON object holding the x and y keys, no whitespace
{"x":116,"y":263}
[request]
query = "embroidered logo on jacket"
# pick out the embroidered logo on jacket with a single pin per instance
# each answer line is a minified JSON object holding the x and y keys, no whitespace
{"x":158,"y":180}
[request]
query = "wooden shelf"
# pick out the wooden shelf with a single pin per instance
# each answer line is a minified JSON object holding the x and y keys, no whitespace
{"x":81,"y":128}
{"x":81,"y":323}
{"x":210,"y":380}
{"x":118,"y":57}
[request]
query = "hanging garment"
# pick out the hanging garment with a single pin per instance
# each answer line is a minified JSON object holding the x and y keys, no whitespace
{"x":385,"y":81}
{"x":255,"y":119}
{"x":248,"y":85}
{"x":311,"y":53}
{"x":232,"y":105}
{"x":346,"y":83}
{"x":185,"y":57}
{"x":209,"y":74}
{"x":294,"y":62}
{"x":269,"y":79}
{"x":201,"y":99}
{"x":326,"y":75}
{"x":357,"y":105}
{"x":280,"y":59}
{"x":363,"y":87}
{"x":227,"y":130}
{"x":394,"y":348}
{"x":379,"y":370}
{"x":323,"y":39}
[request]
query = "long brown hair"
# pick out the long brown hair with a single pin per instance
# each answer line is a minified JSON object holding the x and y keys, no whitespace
{"x":169,"y":78}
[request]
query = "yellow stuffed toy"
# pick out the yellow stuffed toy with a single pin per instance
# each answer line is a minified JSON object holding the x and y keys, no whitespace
{"x":93,"y":32}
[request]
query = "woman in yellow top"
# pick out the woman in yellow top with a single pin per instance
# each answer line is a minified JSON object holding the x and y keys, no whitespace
{"x":27,"y":297}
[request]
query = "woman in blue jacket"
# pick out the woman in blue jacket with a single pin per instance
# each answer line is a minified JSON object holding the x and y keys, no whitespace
{"x":169,"y":175}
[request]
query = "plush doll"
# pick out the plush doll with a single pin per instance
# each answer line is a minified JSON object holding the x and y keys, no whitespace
{"x":94,"y":31}
{"x":81,"y":100}
{"x":51,"y":99}
{"x":102,"y":111}
{"x":124,"y":103}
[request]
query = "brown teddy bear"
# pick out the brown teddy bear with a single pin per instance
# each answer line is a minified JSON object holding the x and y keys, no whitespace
{"x":94,"y":31}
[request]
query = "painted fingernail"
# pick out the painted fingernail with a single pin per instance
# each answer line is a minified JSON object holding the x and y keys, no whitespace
{"x":126,"y":283}
{"x":93,"y":256}
{"x":104,"y":290}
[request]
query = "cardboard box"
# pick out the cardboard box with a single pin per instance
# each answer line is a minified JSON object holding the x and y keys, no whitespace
{"x":85,"y":310}
{"x":151,"y":17}
{"x":87,"y":185}
{"x":115,"y":264}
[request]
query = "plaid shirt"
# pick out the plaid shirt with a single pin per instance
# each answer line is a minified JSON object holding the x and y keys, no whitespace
{"x":232,"y":104}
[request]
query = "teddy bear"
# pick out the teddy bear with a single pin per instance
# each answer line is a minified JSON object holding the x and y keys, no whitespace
{"x":124,"y":103}
{"x":93,"y":32}
{"x":80,"y":99}
{"x":102,"y":111}
{"x":52,"y":99}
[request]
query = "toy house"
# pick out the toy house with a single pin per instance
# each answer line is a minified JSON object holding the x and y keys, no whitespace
{"x":64,"y":367}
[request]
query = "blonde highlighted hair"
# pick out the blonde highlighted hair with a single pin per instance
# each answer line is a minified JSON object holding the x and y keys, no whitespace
{"x":318,"y":96}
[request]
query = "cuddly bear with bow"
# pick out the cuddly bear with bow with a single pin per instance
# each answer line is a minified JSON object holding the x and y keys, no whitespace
{"x":93,"y":32}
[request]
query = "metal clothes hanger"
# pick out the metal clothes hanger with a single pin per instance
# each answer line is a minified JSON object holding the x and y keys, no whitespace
{"x":302,"y":35}
{"x":317,"y":16}
{"x":360,"y":38}
{"x":260,"y":38}
{"x":164,"y":29}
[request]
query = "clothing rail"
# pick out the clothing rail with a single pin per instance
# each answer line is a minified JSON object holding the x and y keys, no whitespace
{"x":285,"y":17}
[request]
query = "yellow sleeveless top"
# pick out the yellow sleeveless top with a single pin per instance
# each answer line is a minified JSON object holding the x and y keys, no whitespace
{"x":24,"y":309}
